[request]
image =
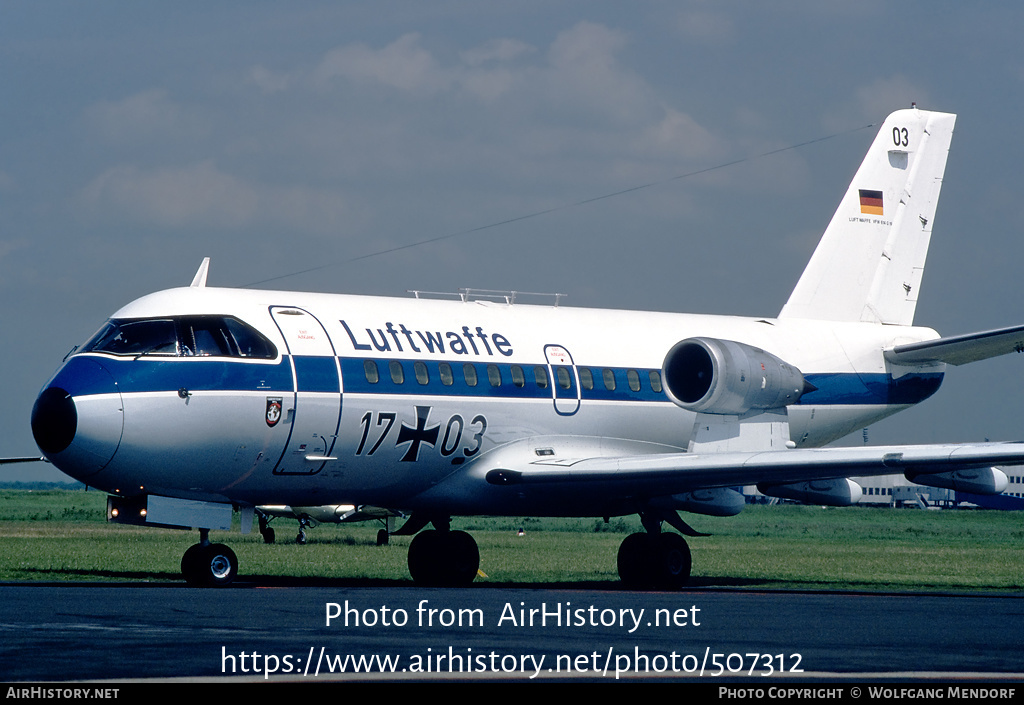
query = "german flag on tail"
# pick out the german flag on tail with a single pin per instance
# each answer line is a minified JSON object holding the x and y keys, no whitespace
{"x":871,"y":202}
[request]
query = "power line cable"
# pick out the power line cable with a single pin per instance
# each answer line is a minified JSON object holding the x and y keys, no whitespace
{"x":564,"y":206}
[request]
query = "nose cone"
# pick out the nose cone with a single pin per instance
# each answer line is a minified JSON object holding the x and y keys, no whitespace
{"x":54,"y":420}
{"x":78,"y":418}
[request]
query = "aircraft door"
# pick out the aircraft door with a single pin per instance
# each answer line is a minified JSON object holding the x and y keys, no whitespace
{"x":565,"y":380}
{"x":314,"y":410}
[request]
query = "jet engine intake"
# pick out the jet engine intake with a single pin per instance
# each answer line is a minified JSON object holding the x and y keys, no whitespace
{"x":725,"y":377}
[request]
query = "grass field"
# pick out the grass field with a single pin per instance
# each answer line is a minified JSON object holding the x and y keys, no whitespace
{"x":61,"y":535}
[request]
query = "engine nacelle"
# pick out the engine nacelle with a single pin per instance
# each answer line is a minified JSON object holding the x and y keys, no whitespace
{"x":974,"y":480}
{"x":839,"y":492}
{"x":725,"y":377}
{"x":713,"y":501}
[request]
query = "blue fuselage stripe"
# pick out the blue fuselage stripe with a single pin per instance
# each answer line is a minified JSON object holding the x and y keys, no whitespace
{"x":319,"y":374}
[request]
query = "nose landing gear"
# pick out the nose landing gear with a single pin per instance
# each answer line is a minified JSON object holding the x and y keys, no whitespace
{"x":208,"y":564}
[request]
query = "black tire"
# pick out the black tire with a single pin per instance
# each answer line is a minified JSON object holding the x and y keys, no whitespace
{"x":462,"y":559}
{"x":190,"y":565}
{"x":212,"y":565}
{"x":383,"y":537}
{"x":635,"y":561}
{"x":422,"y":558}
{"x":673,"y":561}
{"x":443,"y":558}
{"x":268,"y":535}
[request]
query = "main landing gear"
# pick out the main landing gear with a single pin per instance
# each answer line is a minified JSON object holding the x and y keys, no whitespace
{"x":441,"y":557}
{"x":652,"y":559}
{"x":648,"y":561}
{"x":266,"y":531}
{"x":209,"y":564}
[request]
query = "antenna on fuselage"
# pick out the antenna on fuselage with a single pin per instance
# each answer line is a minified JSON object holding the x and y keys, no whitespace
{"x":204,"y":269}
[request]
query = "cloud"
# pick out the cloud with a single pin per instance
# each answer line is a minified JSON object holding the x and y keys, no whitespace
{"x":873,"y":101}
{"x":403,"y":65}
{"x":706,"y":27}
{"x":202,"y":196}
{"x":268,"y":81}
{"x":312,"y":142}
{"x":496,"y":50}
{"x":144,"y":116}
{"x":679,"y":135}
{"x":579,"y":74}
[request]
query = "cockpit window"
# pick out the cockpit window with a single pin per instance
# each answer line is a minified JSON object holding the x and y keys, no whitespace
{"x":135,"y":338}
{"x":248,"y":341}
{"x":187,"y":336}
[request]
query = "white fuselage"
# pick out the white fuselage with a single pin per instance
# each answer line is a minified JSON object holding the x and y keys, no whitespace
{"x":367,"y":400}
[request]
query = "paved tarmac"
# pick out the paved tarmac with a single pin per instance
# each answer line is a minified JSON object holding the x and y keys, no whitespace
{"x":105,"y":632}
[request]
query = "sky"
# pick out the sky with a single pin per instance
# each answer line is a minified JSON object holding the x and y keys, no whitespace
{"x":138,"y":138}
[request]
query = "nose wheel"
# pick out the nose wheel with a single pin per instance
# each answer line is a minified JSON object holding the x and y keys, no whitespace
{"x":209,"y":564}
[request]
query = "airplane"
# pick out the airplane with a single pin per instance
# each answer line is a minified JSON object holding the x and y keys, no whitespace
{"x":195,"y":402}
{"x":326,"y":514}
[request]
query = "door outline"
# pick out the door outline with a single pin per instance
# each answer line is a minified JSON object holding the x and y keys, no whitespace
{"x":322,"y":430}
{"x":568,"y":402}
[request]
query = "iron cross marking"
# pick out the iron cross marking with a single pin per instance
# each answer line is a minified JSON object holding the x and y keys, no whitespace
{"x":420,"y":434}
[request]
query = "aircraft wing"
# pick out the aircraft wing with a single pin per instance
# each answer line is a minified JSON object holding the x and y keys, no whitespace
{"x":961,"y":349}
{"x":670,"y":473}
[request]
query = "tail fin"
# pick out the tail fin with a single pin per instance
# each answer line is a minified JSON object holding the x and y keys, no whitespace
{"x":869,"y":263}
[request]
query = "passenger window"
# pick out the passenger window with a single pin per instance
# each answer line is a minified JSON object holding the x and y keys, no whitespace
{"x":397,"y":373}
{"x":420,"y":369}
{"x":518,"y":378}
{"x":609,"y":379}
{"x":540,"y":373}
{"x":469,"y":372}
{"x":564,"y":379}
{"x":370,"y":368}
{"x":655,"y":380}
{"x":586,"y":378}
{"x":633,"y":379}
{"x":445,"y":371}
{"x":494,"y":375}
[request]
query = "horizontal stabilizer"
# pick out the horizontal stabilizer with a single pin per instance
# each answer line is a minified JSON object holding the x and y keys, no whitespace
{"x":35,"y":459}
{"x":960,"y":349}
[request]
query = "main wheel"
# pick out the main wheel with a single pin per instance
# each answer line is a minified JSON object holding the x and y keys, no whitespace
{"x":423,"y":552}
{"x":635,"y":561}
{"x":443,"y":558}
{"x":462,"y":559}
{"x":672,"y":562}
